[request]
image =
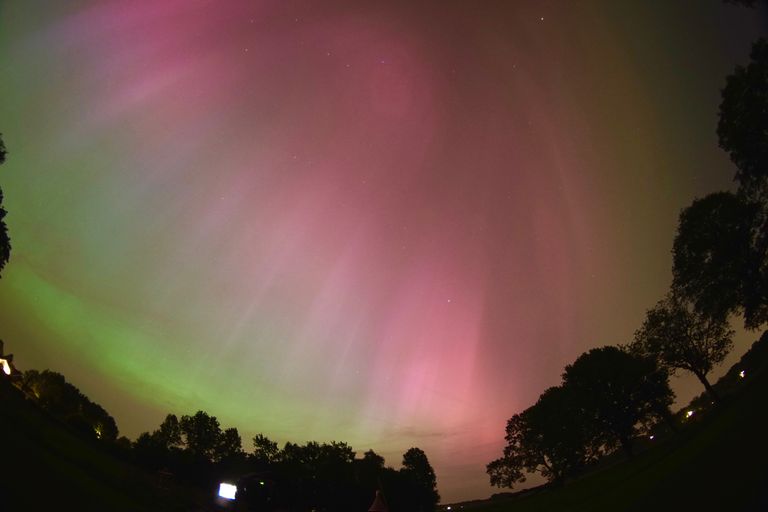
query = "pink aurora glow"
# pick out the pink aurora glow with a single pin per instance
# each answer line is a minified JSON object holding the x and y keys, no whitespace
{"x":386,"y":225}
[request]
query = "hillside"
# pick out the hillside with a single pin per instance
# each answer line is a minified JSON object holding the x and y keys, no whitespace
{"x":47,"y":466}
{"x":718,"y":462}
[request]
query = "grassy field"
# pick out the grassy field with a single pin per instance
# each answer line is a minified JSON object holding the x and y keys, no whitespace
{"x":718,"y":463}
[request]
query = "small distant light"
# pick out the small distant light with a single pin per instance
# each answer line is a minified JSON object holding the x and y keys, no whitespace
{"x":6,"y":366}
{"x":689,"y":414}
{"x":448,"y":507}
{"x":227,"y":491}
{"x":651,"y":438}
{"x":742,"y":373}
{"x":261,"y":482}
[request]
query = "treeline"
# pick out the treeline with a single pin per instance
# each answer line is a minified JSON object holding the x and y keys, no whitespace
{"x":195,"y":450}
{"x":67,"y":404}
{"x":609,"y":396}
{"x":314,"y":476}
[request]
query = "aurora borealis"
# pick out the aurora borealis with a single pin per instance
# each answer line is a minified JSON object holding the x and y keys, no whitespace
{"x":391,"y":224}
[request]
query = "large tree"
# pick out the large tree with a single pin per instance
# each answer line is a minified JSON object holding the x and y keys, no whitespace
{"x":419,"y":473}
{"x":230,"y":446}
{"x":5,"y":241}
{"x":719,"y":257}
{"x":201,"y":434}
{"x":743,"y":132}
{"x":265,"y":451}
{"x":169,"y":433}
{"x":551,"y":438}
{"x":743,"y":126}
{"x":680,"y":338}
{"x":621,"y":393}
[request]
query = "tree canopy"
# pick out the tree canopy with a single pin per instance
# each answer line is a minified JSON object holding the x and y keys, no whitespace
{"x":551,"y":438}
{"x":65,"y":401}
{"x":743,"y":126}
{"x":264,"y":449}
{"x":719,"y":258}
{"x":169,"y":433}
{"x":201,"y":434}
{"x":621,"y":393}
{"x":418,"y":471}
{"x":680,"y":338}
{"x":608,"y":396}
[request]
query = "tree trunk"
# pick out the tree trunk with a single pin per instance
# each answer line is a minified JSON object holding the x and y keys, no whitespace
{"x":703,"y":379}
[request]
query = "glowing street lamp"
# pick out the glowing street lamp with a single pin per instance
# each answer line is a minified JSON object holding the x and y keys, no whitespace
{"x":6,"y":366}
{"x":688,"y":414}
{"x":742,"y":373}
{"x":227,"y":491}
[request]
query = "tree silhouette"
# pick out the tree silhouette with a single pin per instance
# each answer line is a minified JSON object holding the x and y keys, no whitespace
{"x":314,"y":476}
{"x":373,"y":460}
{"x":743,"y":132}
{"x":719,"y":258}
{"x":743,"y":126}
{"x":621,"y":393}
{"x":680,"y":338}
{"x":149,"y":451}
{"x":65,"y":401}
{"x":230,"y":446}
{"x":419,"y":473}
{"x":169,"y":433}
{"x":5,"y":240}
{"x":265,"y":450}
{"x":552,"y":438}
{"x":98,"y":419}
{"x":201,"y":434}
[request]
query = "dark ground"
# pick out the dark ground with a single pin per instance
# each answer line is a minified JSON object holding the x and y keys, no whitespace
{"x":718,"y":461}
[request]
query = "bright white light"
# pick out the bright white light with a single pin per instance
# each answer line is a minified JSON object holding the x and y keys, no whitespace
{"x":6,"y":366}
{"x":227,"y":491}
{"x":742,"y":373}
{"x":651,"y":438}
{"x":689,"y":414}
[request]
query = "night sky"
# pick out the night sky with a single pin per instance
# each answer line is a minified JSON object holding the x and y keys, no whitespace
{"x":386,"y":223}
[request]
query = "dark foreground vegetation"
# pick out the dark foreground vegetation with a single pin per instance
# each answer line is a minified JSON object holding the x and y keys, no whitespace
{"x":715,"y":461}
{"x":58,"y":453}
{"x":48,"y":465}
